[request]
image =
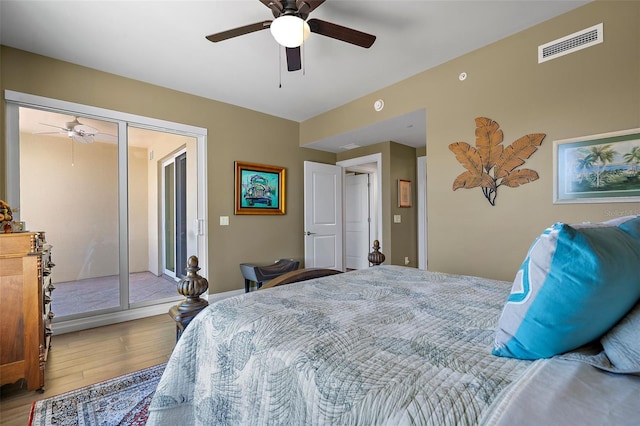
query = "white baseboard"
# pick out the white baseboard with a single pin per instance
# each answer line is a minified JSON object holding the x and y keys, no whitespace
{"x":78,"y":324}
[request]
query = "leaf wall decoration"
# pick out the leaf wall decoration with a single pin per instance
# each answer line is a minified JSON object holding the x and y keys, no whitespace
{"x":489,"y":156}
{"x":472,"y":180}
{"x":468,"y":156}
{"x":519,"y":177}
{"x":489,"y":139}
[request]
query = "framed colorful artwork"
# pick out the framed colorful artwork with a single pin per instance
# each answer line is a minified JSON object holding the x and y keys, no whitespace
{"x":603,"y":168}
{"x":259,"y":189}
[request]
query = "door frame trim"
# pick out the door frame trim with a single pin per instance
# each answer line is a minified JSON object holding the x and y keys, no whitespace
{"x":367,"y":159}
{"x":422,"y":212}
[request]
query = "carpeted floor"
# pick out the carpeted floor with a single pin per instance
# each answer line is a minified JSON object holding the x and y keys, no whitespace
{"x":123,"y":400}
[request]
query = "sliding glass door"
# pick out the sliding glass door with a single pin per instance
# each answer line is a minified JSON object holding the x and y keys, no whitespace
{"x":163,"y":204}
{"x":69,"y":189}
{"x":174,"y":218}
{"x":121,"y":199}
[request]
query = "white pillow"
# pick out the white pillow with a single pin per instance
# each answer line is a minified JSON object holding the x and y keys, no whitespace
{"x":622,"y":343}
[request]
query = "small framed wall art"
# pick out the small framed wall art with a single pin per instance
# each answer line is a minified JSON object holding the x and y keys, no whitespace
{"x":603,"y":168}
{"x":259,"y":189}
{"x":404,"y":193}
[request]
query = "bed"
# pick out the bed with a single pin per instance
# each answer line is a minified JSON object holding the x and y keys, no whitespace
{"x":387,"y":345}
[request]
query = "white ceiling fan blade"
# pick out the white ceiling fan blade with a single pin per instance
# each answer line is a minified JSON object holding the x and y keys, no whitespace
{"x":48,"y":133}
{"x":83,"y":129}
{"x":57,"y":127}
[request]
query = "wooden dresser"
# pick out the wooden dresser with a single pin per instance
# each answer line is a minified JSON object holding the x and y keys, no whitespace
{"x":25,"y":315}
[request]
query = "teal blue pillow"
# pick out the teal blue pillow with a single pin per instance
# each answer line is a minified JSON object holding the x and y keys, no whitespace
{"x":576,"y":282}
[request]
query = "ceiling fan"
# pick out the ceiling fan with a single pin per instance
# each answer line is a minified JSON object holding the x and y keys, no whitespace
{"x":78,"y":131}
{"x":290,"y":28}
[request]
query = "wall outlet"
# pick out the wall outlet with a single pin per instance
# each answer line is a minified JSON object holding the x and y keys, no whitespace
{"x":406,"y":260}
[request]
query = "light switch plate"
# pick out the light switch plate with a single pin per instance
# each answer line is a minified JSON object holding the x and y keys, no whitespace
{"x":397,"y":218}
{"x":224,"y":220}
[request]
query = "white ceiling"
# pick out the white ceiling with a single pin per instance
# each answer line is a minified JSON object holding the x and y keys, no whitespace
{"x":163,"y":43}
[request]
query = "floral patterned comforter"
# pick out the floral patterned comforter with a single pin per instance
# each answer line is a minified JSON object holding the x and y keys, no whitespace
{"x":388,"y":345}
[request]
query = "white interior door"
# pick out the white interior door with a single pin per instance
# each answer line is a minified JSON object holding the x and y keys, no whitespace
{"x":356,"y":221}
{"x":323,"y":216}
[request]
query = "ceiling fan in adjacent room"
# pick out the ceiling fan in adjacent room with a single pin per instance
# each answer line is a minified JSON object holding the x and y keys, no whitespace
{"x":291,"y":28}
{"x":78,"y":131}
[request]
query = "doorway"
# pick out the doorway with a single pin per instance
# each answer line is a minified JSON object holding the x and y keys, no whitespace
{"x":174,"y":214}
{"x":363,"y":208}
{"x":325,"y":239}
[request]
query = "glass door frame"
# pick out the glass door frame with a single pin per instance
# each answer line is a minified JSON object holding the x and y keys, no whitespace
{"x":178,"y":186}
{"x":15,"y":100}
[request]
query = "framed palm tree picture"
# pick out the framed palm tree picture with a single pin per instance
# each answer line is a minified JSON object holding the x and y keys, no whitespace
{"x":602,"y":168}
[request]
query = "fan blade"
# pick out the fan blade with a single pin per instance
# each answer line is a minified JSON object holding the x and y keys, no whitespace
{"x":235,"y":32}
{"x":294,"y":63}
{"x":48,"y":133}
{"x":275,"y":5}
{"x":341,"y":33}
{"x":83,"y":129}
{"x":57,"y":127}
{"x":305,"y":7}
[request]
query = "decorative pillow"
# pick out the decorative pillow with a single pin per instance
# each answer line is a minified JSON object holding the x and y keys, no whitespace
{"x":629,"y":224}
{"x":575,"y":284}
{"x":622,"y":343}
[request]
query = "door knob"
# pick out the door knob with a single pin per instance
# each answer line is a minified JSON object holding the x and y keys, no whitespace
{"x":309,"y":233}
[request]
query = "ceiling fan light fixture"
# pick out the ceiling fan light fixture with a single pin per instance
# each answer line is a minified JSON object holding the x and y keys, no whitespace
{"x":290,"y":30}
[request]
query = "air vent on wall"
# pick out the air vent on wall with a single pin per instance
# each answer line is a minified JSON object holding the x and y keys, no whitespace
{"x":571,"y":43}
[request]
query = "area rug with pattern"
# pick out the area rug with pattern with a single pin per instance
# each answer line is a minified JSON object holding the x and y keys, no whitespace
{"x":122,"y":400}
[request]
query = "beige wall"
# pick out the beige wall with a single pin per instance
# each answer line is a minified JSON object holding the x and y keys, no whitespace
{"x":404,"y":241}
{"x":234,"y":134}
{"x":80,"y":203}
{"x":592,"y":91}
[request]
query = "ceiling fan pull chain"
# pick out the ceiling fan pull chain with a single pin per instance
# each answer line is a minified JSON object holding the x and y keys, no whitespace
{"x":279,"y":67}
{"x":73,"y":157}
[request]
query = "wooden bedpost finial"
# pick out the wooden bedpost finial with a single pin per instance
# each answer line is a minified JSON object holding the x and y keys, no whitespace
{"x":375,"y":257}
{"x":192,"y":287}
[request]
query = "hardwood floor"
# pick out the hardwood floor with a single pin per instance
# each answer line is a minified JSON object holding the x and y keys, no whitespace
{"x":90,"y":356}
